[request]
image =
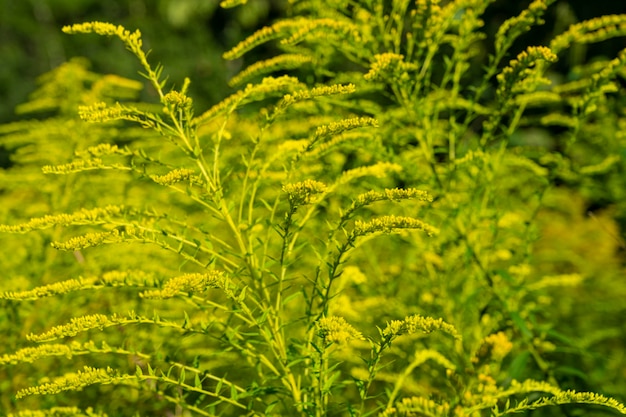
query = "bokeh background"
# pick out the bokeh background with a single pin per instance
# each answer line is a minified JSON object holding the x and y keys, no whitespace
{"x":189,"y":36}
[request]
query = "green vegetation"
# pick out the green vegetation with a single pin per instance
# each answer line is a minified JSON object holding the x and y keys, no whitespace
{"x":398,"y":214}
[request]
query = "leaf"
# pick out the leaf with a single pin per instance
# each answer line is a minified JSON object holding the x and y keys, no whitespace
{"x":568,"y":370}
{"x":518,"y":366}
{"x":330,"y":382}
{"x":187,"y":320}
{"x":521,"y":325}
{"x":242,"y":295}
{"x":270,"y":407}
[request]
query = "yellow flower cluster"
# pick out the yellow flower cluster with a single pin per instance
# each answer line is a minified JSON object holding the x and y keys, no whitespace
{"x":268,"y":87}
{"x":82,"y":217}
{"x":418,"y":323}
{"x":72,"y":382}
{"x":73,"y":348}
{"x":188,"y":283}
{"x":518,"y":161}
{"x":130,"y":277}
{"x":109,"y":279}
{"x":343,"y":125}
{"x":62,"y":287}
{"x":59,"y":412}
{"x":175,"y":99}
{"x":337,"y":141}
{"x":558,"y":397}
{"x":389,"y":224}
{"x":394,"y":194}
{"x":537,"y":99}
{"x":112,"y":85}
{"x":132,"y":40}
{"x":378,"y":170}
{"x":388,"y":65}
{"x":176,"y":175}
{"x":106,"y":29}
{"x":428,"y":21}
{"x":353,"y":274}
{"x":530,"y":385}
{"x":483,"y":394}
{"x":89,"y":240}
{"x":302,"y":192}
{"x":515,"y":26}
{"x":606,"y":165}
{"x":100,"y":112}
{"x":590,"y":31}
{"x":336,"y":330}
{"x":227,"y":4}
{"x":418,"y":406}
{"x":75,"y":166}
{"x":498,"y":345}
{"x":570,"y":397}
{"x":100,"y":150}
{"x":75,"y":326}
{"x":329,"y":27}
{"x":259,"y":37}
{"x":280,"y":62}
{"x":329,"y":90}
{"x":31,"y":354}
{"x":563,"y":280}
{"x":559,"y":119}
{"x":517,"y":70}
{"x":601,"y":84}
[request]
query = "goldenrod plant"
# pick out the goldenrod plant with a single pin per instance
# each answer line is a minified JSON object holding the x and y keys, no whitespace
{"x":398,"y":215}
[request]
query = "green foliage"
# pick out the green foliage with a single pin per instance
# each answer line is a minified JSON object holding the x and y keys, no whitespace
{"x":396,"y":228}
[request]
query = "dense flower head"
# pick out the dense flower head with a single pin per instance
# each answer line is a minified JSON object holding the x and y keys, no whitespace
{"x":417,"y":323}
{"x":495,"y":346}
{"x":336,"y":330}
{"x":303,"y":192}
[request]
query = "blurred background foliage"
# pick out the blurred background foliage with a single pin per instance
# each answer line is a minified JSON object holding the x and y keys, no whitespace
{"x":192,"y":35}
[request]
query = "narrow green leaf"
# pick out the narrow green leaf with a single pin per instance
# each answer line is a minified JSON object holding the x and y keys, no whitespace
{"x":521,"y":325}
{"x":242,"y":295}
{"x":519,"y":365}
